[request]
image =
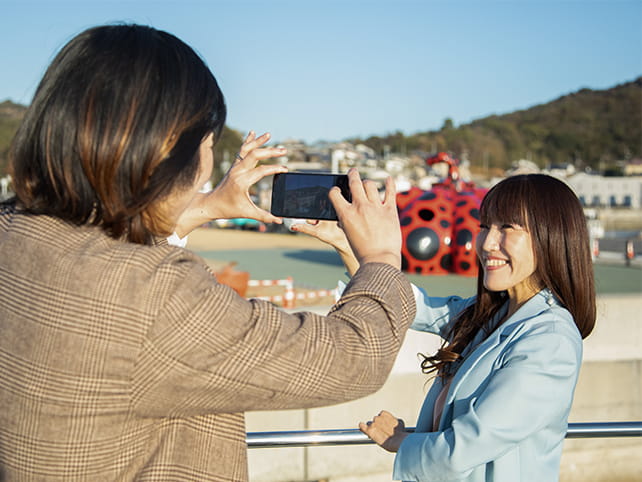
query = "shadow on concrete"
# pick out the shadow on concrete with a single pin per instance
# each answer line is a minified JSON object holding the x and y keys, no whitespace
{"x":315,"y":256}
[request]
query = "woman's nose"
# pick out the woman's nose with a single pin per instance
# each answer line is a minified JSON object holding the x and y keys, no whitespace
{"x":490,"y":241}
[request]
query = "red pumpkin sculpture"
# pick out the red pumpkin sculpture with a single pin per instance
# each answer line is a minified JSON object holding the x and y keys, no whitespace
{"x":439,"y":226}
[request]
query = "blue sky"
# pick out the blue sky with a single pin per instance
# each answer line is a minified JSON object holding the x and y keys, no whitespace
{"x":333,"y":69}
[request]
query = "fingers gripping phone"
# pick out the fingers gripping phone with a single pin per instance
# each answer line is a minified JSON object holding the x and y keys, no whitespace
{"x":305,"y":195}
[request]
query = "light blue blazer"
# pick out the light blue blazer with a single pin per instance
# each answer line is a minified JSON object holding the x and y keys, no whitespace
{"x":506,"y":411}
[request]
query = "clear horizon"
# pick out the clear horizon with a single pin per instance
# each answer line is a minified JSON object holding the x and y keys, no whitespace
{"x":332,"y":70}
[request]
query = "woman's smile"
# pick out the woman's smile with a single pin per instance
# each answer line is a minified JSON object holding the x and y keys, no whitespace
{"x":491,"y":263}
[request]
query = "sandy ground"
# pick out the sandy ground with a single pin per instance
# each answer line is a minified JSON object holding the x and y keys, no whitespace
{"x":205,"y":239}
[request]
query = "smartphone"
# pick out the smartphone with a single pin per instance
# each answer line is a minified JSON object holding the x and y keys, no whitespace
{"x":304,"y":195}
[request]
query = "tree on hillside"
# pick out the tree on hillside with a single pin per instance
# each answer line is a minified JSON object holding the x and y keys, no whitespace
{"x":10,"y":117}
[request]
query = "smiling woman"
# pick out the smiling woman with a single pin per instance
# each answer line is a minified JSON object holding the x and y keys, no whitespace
{"x":507,"y":370}
{"x":524,"y":247}
{"x":517,"y":342}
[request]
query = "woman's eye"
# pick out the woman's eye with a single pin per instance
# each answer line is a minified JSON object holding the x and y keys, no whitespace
{"x":483,"y":227}
{"x":507,"y":226}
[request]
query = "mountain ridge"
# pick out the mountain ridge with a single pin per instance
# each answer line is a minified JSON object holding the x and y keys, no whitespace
{"x":591,"y":128}
{"x":587,"y":127}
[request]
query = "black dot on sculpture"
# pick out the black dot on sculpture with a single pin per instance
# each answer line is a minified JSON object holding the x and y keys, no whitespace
{"x":464,"y":265}
{"x":404,"y":263}
{"x":422,"y":243}
{"x":426,"y":214}
{"x":444,"y":223}
{"x":474,"y":213}
{"x":464,"y":237}
{"x":446,"y":262}
{"x":428,"y":196}
{"x":405,"y":221}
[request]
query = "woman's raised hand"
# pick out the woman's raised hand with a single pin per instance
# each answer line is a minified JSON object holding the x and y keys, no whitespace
{"x":231,"y":197}
{"x":327,"y":231}
{"x":370,"y":224}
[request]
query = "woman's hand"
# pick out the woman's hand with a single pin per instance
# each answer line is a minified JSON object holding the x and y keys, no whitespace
{"x":231,"y":197}
{"x":331,"y":233}
{"x":370,"y":224}
{"x":327,"y":231}
{"x":385,"y":430}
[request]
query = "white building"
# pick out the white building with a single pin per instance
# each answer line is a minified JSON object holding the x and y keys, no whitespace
{"x":599,"y":191}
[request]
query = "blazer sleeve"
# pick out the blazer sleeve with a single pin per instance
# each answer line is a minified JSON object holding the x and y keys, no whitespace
{"x":434,"y":314}
{"x":531,"y":388}
{"x":209,"y":350}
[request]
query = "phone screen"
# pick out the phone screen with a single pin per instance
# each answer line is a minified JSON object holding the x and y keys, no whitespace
{"x":305,"y":195}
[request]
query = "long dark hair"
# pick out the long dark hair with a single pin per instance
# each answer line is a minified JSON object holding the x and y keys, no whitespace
{"x":553,"y":216}
{"x":115,"y":127}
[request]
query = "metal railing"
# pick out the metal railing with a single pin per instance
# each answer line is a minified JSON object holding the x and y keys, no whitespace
{"x":317,"y":438}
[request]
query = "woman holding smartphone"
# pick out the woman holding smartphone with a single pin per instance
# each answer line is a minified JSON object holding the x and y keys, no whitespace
{"x":121,"y":357}
{"x":505,"y":375}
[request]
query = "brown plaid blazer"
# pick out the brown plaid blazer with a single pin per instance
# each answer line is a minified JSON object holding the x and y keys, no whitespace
{"x":129,"y":362}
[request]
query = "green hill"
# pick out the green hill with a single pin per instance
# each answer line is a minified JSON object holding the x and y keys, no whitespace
{"x":10,"y":117}
{"x":590,"y":128}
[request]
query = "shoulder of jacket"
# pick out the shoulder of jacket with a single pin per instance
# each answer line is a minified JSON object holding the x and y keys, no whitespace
{"x":542,"y":319}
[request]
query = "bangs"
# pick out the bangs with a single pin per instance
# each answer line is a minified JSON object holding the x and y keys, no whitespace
{"x":507,"y":203}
